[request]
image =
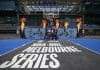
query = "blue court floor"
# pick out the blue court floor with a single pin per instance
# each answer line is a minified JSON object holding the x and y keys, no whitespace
{"x":91,"y":44}
{"x":9,"y":45}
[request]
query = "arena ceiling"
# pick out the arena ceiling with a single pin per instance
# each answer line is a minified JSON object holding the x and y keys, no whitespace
{"x":50,"y":0}
{"x":67,"y":6}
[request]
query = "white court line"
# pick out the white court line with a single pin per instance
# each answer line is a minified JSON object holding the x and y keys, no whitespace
{"x":53,"y":41}
{"x":40,"y":41}
{"x":85,"y":47}
{"x":17,"y":48}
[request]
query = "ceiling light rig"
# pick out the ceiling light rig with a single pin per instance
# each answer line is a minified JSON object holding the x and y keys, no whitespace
{"x":51,"y":7}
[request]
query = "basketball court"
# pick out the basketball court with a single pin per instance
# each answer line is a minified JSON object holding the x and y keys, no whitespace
{"x":49,"y":35}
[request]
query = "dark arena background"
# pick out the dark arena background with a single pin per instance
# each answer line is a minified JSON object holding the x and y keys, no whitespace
{"x":49,"y":34}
